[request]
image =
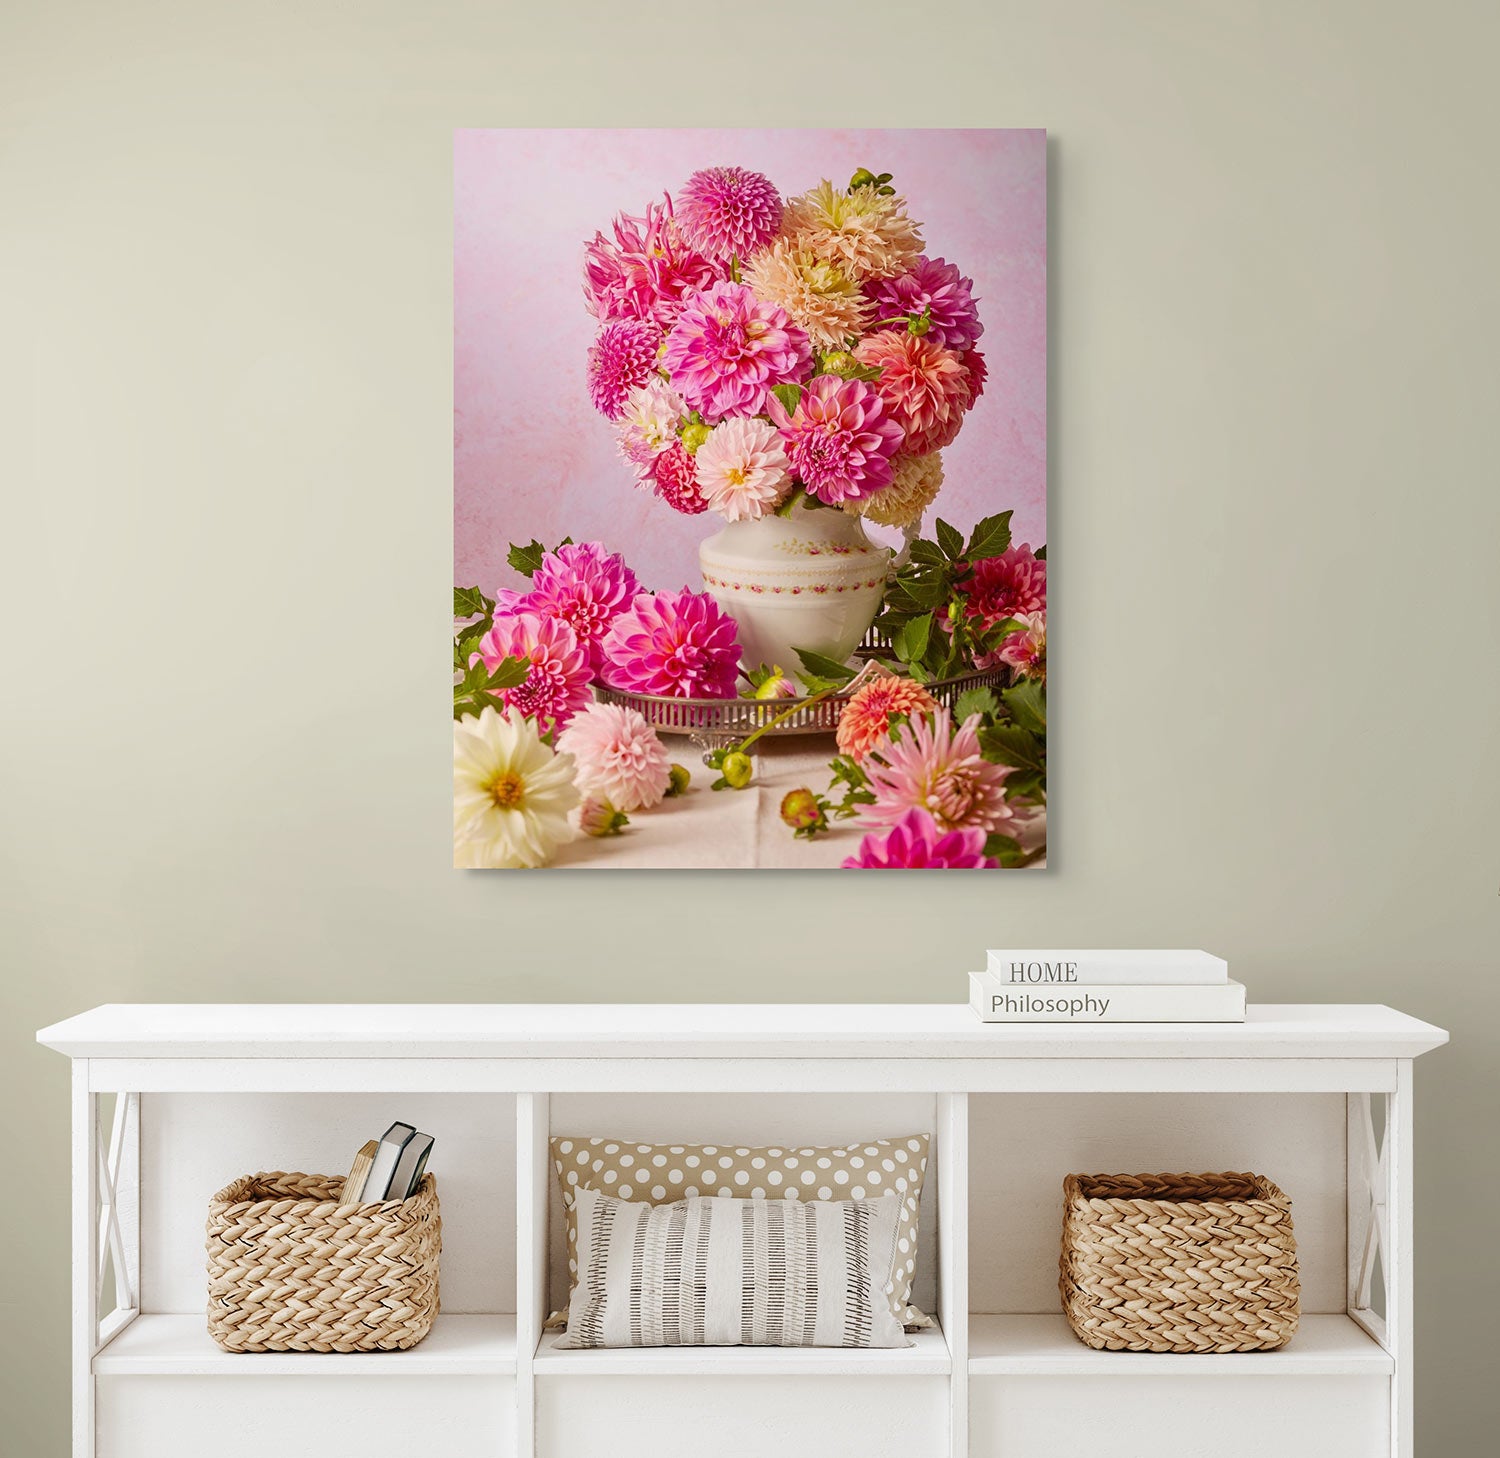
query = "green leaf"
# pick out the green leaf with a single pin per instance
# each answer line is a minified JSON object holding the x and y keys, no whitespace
{"x":785,"y":509}
{"x":951,"y":540}
{"x":468,"y":602}
{"x":975,"y":701}
{"x":1026,"y":785}
{"x":1041,"y":553}
{"x":990,"y":538}
{"x":1011,"y":744}
{"x":911,"y":642}
{"x":924,"y":592}
{"x":824,"y":667}
{"x":465,"y":648}
{"x":509,"y":673}
{"x":1026,"y":703}
{"x":526,"y":559}
{"x":1005,"y":849}
{"x":928,"y":554}
{"x":789,"y":395}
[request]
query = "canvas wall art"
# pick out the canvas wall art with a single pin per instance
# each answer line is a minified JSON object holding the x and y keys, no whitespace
{"x":750,"y":501}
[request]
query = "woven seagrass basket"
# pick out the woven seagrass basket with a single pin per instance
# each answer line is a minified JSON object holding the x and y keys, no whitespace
{"x":290,"y":1270}
{"x":1178,"y":1262}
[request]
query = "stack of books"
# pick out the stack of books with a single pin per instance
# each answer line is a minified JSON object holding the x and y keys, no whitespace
{"x":1106,"y":987}
{"x":388,"y":1168}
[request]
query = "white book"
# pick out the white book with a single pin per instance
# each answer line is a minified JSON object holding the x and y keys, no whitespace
{"x":997,"y":1001}
{"x":383,"y":1166}
{"x":1046,"y":968}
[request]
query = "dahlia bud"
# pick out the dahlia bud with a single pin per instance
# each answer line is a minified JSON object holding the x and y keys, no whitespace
{"x":841,"y":363}
{"x":679,"y":778}
{"x":737,"y":769}
{"x":800,"y":809}
{"x":600,"y":818}
{"x":693,"y":436}
{"x":863,"y":178}
{"x":777,"y":686}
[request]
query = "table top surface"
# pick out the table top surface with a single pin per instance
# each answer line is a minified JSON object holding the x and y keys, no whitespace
{"x":712,"y":1030}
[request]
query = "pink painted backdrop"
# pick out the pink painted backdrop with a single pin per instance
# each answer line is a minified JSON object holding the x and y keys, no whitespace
{"x":532,"y":458}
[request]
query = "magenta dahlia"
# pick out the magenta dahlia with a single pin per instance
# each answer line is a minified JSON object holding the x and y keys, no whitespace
{"x":840,"y":439}
{"x":583,"y":583}
{"x":622,"y":357}
{"x":934,"y":285}
{"x":558,"y":684}
{"x":728,"y":348}
{"x":1008,"y":586}
{"x":674,"y":475}
{"x":647,"y":271}
{"x":915,"y":843}
{"x":728,"y":212}
{"x":680,"y":645}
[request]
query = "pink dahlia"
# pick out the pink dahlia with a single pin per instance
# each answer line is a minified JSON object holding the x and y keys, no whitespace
{"x":558,"y":684}
{"x":621,"y":358}
{"x":1007,"y":586}
{"x":674,"y":475}
{"x":924,"y":386}
{"x":742,"y":469}
{"x":933,"y":285}
{"x":840,"y":439}
{"x":916,"y":843}
{"x":646,"y":272}
{"x":728,"y":212}
{"x":676,"y":644}
{"x":1026,"y":651}
{"x":620,"y":759}
{"x":929,"y":765}
{"x":865,"y":721}
{"x":586,"y":585}
{"x":979,"y":372}
{"x":728,"y":349}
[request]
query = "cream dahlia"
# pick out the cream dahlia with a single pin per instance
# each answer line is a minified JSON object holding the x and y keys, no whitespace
{"x":863,"y":230}
{"x":931,"y":766}
{"x":511,"y":793}
{"x":620,"y":759}
{"x":557,"y":685}
{"x":728,"y":348}
{"x":728,"y":212}
{"x":681,"y":645}
{"x":915,"y":483}
{"x":865,"y":721}
{"x":840,"y":439}
{"x":742,"y":470}
{"x":822,"y":296}
{"x":648,"y":421}
{"x":925,"y":386}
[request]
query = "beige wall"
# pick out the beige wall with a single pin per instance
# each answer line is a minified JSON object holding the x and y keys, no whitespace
{"x":225,"y":538}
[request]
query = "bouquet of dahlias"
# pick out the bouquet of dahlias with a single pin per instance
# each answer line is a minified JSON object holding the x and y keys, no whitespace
{"x":753,"y":352}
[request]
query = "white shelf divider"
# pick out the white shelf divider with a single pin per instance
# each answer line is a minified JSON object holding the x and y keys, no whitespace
{"x":1044,"y":1346}
{"x":953,"y":1257}
{"x":180,"y":1346}
{"x":533,"y":1129}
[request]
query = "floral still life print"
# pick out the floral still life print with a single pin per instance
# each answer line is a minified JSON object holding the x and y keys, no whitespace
{"x":750,"y":499}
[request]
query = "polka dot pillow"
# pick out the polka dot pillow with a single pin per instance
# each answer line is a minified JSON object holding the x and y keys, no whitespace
{"x":663,"y":1173}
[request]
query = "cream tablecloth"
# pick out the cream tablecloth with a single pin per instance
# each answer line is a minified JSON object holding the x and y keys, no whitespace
{"x":730,"y":829}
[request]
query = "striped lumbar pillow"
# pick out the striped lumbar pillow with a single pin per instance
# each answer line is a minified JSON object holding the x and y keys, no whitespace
{"x":663,"y":1173}
{"x":708,"y":1271}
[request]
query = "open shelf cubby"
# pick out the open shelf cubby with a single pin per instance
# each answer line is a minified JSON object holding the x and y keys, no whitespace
{"x":170,"y":1103}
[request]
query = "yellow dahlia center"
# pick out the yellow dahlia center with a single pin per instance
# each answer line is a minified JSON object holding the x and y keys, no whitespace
{"x":507,"y":790}
{"x":737,"y":476}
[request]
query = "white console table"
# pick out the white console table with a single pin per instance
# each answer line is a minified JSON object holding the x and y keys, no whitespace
{"x":171,"y":1102}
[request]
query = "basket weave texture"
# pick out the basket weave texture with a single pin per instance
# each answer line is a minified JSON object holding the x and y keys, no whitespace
{"x":290,"y":1270}
{"x":1178,"y":1262}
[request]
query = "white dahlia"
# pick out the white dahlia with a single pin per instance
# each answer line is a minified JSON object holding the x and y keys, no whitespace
{"x":511,"y":793}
